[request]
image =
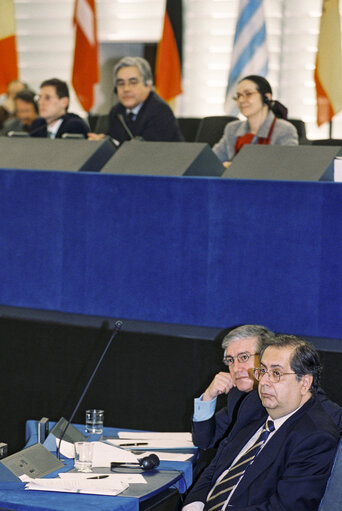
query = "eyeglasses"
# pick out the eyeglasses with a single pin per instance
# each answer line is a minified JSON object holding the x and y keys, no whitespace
{"x":241,"y":357}
{"x":274,"y":375}
{"x":131,"y":82}
{"x":246,"y":94}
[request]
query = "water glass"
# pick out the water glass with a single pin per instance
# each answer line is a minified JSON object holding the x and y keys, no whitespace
{"x":94,"y":421}
{"x":83,"y":456}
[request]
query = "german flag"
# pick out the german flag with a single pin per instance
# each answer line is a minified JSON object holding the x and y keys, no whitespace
{"x":328,"y":71}
{"x":168,"y":73}
{"x":8,"y":49}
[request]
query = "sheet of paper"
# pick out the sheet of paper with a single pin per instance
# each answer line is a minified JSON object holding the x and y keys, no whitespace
{"x":158,"y":443}
{"x":104,"y":453}
{"x":152,"y":435}
{"x":120,"y":478}
{"x":67,"y":448}
{"x":107,"y":486}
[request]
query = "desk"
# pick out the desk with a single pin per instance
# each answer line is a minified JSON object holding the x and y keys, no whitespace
{"x":13,"y":496}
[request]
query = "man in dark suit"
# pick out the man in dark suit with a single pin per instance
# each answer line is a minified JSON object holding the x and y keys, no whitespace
{"x":241,"y":347}
{"x":289,"y":456}
{"x":140,"y":113}
{"x":54,"y":119}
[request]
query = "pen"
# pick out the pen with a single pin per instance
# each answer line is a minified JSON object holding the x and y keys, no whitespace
{"x":133,"y":445}
{"x":98,"y":477}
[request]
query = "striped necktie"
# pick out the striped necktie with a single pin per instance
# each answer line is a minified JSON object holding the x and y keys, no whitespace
{"x":222,"y":488}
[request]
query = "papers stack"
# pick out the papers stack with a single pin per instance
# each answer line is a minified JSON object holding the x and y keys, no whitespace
{"x":105,"y":484}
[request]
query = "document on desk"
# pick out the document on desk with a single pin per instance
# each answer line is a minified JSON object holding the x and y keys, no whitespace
{"x":156,"y":440}
{"x":107,"y":484}
{"x":104,"y":454}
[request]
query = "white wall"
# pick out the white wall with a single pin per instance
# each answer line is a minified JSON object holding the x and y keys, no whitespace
{"x":45,"y":43}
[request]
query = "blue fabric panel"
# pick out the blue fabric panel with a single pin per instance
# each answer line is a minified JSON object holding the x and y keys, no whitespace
{"x":201,"y":251}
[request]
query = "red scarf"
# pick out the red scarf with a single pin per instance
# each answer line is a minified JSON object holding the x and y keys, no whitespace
{"x":248,"y":137}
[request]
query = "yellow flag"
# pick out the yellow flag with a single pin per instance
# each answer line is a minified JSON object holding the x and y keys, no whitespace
{"x":328,"y":71}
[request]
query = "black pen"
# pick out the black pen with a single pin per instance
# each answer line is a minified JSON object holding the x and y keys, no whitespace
{"x":98,"y":477}
{"x":133,"y":445}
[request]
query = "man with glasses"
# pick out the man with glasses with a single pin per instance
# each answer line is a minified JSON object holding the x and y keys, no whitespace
{"x":241,"y":354}
{"x":54,"y":120}
{"x":283,"y":459}
{"x":140,"y":113}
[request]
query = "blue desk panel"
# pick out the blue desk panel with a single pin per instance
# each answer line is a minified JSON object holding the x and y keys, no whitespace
{"x":196,"y":251}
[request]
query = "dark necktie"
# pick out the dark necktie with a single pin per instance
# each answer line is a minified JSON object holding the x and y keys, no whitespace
{"x":130,"y":117}
{"x":222,"y":489}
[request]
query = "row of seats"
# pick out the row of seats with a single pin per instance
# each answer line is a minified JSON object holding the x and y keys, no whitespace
{"x":210,"y":129}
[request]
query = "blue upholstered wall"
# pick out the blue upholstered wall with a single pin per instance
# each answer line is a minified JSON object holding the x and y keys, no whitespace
{"x":201,"y":251}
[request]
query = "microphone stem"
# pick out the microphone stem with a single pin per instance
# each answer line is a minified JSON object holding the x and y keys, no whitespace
{"x":117,"y":327}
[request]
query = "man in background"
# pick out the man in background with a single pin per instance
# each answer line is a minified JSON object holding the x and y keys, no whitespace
{"x":54,"y":119}
{"x":140,"y":113}
{"x":241,"y":347}
{"x":26,"y":111}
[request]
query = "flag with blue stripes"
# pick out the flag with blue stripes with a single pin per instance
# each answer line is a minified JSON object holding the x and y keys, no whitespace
{"x":249,"y":54}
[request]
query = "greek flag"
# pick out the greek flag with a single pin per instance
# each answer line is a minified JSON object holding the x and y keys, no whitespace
{"x":249,"y":51}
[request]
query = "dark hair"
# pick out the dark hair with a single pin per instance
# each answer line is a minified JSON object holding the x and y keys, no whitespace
{"x":264,"y":88}
{"x":28,"y":96}
{"x":61,"y":87}
{"x":304,"y":360}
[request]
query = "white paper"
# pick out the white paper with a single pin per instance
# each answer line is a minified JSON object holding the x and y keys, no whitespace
{"x":338,"y":169}
{"x":67,"y":448}
{"x":120,"y":478}
{"x":108,"y":486}
{"x":156,"y":434}
{"x":104,"y":454}
{"x":158,"y":443}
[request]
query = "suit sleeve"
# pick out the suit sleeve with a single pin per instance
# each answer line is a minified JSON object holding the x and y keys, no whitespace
{"x":206,"y":434}
{"x":161,"y":125}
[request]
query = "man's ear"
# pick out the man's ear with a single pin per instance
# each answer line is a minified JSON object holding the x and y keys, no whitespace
{"x":307,"y":380}
{"x":65,"y":102}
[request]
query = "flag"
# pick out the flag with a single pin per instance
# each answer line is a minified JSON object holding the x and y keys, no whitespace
{"x":328,"y":70}
{"x":8,"y":48}
{"x":249,"y":54}
{"x":168,"y":71}
{"x":85,"y":73}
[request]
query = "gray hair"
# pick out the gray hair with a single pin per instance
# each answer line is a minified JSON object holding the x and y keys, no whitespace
{"x":243,"y":332}
{"x":142,"y":65}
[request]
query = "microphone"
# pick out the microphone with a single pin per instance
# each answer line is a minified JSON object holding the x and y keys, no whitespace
{"x":126,"y":128}
{"x":117,"y":327}
{"x":147,"y":463}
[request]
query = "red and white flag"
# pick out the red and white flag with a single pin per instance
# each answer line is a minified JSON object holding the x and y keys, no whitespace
{"x":85,"y":73}
{"x":8,"y":48}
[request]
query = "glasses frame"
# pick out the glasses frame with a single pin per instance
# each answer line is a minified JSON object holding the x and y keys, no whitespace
{"x":257,"y":371}
{"x":243,"y":95}
{"x":131,"y":82}
{"x":238,"y":358}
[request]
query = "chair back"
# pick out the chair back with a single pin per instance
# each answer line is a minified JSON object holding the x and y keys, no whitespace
{"x":211,"y":129}
{"x":188,"y":127}
{"x":301,"y":130}
{"x":332,"y":499}
{"x":101,"y":125}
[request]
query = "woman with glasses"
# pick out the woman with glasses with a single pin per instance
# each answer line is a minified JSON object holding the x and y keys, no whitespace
{"x":265,"y":120}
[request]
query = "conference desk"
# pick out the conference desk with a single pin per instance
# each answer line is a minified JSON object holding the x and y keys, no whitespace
{"x":13,"y":495}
